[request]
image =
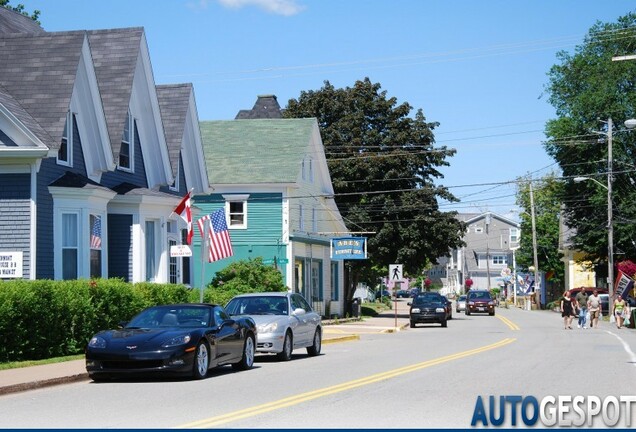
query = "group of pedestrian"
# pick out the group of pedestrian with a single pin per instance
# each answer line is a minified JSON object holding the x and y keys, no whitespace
{"x":580,"y":306}
{"x":589,"y":307}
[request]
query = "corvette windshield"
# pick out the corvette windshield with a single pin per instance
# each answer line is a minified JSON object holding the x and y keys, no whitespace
{"x":162,"y":317}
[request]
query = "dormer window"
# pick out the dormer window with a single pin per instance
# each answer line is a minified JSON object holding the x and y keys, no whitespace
{"x":127,"y":144}
{"x":175,"y":185}
{"x":65,"y":153}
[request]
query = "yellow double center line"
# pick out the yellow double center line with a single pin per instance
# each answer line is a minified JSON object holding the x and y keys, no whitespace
{"x":304,"y":397}
{"x":510,"y":324}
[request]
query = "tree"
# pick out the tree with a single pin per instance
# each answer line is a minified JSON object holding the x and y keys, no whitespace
{"x":586,"y":87}
{"x":548,"y":195}
{"x":20,"y":9}
{"x":382,"y":164}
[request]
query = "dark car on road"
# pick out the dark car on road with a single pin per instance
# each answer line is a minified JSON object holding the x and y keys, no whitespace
{"x":428,"y":308}
{"x":480,"y":302}
{"x":449,"y":308}
{"x":402,"y":293}
{"x":187,"y":339}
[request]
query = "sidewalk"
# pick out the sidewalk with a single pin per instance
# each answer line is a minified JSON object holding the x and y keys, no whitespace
{"x":334,"y":331}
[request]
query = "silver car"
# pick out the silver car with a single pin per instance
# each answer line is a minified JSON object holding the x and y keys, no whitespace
{"x":460,"y":303}
{"x":284,"y":321}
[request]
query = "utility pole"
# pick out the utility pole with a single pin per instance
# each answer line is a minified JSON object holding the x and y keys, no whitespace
{"x":488,"y":250}
{"x":537,"y":283}
{"x":610,"y":222}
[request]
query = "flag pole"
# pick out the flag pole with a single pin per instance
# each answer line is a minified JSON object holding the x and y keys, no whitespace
{"x":204,"y":243}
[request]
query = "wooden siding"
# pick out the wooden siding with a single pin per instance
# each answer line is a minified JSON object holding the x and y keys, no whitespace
{"x":49,"y":172}
{"x":138,"y":178}
{"x":15,"y":217}
{"x":262,"y":238}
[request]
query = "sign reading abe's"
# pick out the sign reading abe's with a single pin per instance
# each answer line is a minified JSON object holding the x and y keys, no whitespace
{"x":348,"y":248}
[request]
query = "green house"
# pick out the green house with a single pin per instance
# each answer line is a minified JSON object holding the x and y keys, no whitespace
{"x":271,"y":178}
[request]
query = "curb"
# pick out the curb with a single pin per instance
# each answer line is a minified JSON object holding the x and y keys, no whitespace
{"x":16,"y":388}
{"x":340,"y":339}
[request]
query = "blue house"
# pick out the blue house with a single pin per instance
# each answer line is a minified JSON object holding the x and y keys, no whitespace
{"x":271,"y":178}
{"x":93,"y":156}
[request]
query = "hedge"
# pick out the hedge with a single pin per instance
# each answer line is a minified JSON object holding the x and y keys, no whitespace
{"x":43,"y":318}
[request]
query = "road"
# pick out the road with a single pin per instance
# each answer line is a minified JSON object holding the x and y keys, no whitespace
{"x":427,"y":377}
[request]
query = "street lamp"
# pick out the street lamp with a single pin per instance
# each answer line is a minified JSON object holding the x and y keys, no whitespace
{"x":629,"y":124}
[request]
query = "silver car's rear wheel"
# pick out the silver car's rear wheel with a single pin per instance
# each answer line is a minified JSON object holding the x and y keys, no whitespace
{"x":314,"y":349}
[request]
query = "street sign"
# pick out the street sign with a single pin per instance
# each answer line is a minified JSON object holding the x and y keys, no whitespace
{"x":268,"y":261}
{"x":395,"y":273}
{"x":283,"y":260}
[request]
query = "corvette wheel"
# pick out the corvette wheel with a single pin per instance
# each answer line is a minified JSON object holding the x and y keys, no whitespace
{"x":201,"y":361}
{"x":247,"y":361}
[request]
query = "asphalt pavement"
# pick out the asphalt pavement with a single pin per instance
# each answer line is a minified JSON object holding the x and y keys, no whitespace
{"x":334,"y":331}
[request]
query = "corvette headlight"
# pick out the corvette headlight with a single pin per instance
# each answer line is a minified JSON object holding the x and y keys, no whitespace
{"x":415,"y":310}
{"x":267,"y":328}
{"x":97,"y":342}
{"x":175,"y":341}
{"x":440,"y":310}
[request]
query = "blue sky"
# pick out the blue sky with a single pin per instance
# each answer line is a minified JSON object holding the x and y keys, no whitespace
{"x":477,"y":67}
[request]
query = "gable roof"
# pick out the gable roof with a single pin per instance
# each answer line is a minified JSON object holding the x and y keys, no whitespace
{"x":14,"y":22}
{"x":21,"y":115}
{"x":115,"y":53}
{"x":266,"y":106}
{"x":174,"y":100}
{"x":475,"y":217}
{"x":39,"y":72}
{"x":256,"y":151}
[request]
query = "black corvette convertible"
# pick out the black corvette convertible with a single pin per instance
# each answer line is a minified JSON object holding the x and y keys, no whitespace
{"x":186,"y":339}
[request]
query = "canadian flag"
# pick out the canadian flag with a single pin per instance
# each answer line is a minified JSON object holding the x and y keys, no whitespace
{"x":184,"y":210}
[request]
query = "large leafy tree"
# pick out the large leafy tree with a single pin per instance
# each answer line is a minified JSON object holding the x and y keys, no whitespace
{"x":383,"y":164}
{"x":585,"y":88}
{"x":547,"y":194}
{"x":20,"y":9}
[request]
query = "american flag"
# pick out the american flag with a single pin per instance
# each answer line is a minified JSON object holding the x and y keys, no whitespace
{"x":220,"y":244}
{"x":96,"y":233}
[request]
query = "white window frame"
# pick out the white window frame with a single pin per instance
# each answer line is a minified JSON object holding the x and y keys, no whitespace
{"x":152,"y":252}
{"x":175,"y":185}
{"x":516,"y":235}
{"x":230,"y":199}
{"x":130,"y":141}
{"x":68,"y":137}
{"x":91,"y":248}
{"x":494,"y":259}
{"x":76,"y":247}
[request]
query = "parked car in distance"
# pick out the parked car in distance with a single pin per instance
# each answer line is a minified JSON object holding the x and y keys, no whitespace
{"x":480,"y":301}
{"x":428,"y":307}
{"x":460,"y":304}
{"x":402,"y":294}
{"x":382,"y":293}
{"x":285,"y":321}
{"x":185,"y":339}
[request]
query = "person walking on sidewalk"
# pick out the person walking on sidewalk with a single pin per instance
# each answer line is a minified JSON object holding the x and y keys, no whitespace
{"x":619,"y":309}
{"x":581,"y":300}
{"x":567,"y":310}
{"x":596,"y":310}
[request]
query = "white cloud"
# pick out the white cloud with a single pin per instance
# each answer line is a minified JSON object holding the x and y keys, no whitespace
{"x":279,"y":7}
